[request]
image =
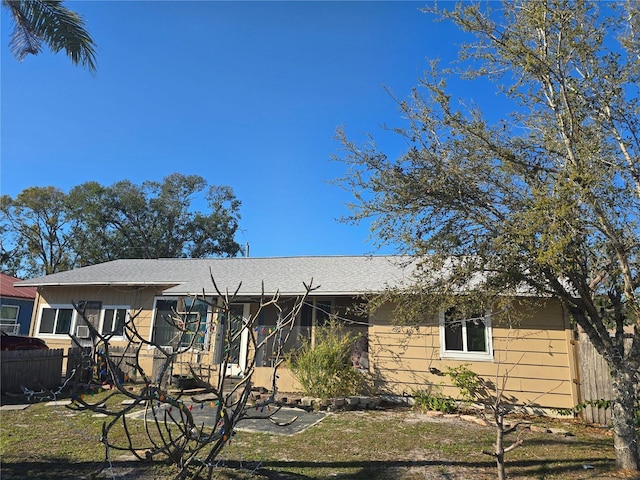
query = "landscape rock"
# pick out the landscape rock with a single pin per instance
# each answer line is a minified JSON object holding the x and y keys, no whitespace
{"x":433,"y":413}
{"x":539,"y":428}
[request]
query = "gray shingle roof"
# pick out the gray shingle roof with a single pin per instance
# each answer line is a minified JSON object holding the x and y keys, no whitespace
{"x":334,"y":274}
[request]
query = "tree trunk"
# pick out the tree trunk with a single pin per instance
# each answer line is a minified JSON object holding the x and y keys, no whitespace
{"x":623,"y":418}
{"x":499,"y":454}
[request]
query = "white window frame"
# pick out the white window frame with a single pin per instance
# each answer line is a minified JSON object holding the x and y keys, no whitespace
{"x":10,"y":325}
{"x":56,"y":307}
{"x":103,"y":314}
{"x":464,"y":354}
{"x":12,"y":319}
{"x":207,"y":338}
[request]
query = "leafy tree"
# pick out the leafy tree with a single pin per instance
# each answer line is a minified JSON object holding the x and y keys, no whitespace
{"x":214,"y":233}
{"x":546,"y":198}
{"x":50,"y":231}
{"x":9,"y":256}
{"x":40,"y":232}
{"x":154,"y":220}
{"x":48,"y":21}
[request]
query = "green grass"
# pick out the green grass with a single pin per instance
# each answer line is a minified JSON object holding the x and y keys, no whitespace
{"x":54,"y":443}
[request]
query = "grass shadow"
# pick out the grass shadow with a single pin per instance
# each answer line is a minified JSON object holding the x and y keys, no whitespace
{"x":59,"y":469}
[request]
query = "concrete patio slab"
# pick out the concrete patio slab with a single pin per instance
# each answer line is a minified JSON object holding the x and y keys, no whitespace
{"x":19,"y":406}
{"x":303,"y":420}
{"x":58,"y":403}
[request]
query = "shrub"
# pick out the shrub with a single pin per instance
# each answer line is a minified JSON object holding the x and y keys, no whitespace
{"x":433,"y":399}
{"x":466,"y":381}
{"x":326,"y":369}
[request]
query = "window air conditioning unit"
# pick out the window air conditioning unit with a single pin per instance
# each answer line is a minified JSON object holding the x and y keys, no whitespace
{"x":82,"y":331}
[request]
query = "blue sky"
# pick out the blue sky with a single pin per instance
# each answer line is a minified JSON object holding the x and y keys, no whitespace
{"x":245,"y":94}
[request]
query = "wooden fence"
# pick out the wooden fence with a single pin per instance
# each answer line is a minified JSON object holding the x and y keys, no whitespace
{"x":595,"y":380}
{"x":44,"y":369}
{"x":30,"y":369}
{"x":80,"y":364}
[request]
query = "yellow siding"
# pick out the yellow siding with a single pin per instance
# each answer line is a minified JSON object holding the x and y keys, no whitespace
{"x":537,"y":355}
{"x":263,"y":377}
{"x":139,"y":300}
{"x":534,"y":359}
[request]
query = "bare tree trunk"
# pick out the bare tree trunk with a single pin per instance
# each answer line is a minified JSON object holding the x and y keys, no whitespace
{"x":498,"y":415}
{"x":499,"y":453}
{"x":171,"y":430}
{"x":625,"y":437}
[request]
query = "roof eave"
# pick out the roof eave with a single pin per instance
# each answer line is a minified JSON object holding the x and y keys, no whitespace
{"x":332,"y":293}
{"x":100,"y":284}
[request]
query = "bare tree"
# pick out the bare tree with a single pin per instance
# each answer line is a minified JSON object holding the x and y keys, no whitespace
{"x":172,"y":426}
{"x":498,"y":405}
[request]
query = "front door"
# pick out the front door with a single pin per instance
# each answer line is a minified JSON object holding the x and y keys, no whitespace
{"x":236,"y":338}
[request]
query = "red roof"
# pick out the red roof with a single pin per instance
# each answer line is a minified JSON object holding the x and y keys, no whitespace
{"x":8,"y":290}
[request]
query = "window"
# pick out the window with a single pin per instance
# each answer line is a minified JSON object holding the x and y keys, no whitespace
{"x":90,"y":311}
{"x":163,"y":327}
{"x":194,"y":318}
{"x":465,"y":337}
{"x":9,"y":313}
{"x":58,"y":320}
{"x":9,"y":319}
{"x":178,"y":321}
{"x":114,"y":320}
{"x":55,"y":320}
{"x":234,"y":323}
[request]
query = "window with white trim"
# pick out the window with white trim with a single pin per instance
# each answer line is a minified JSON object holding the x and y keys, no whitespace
{"x":55,"y":320}
{"x":9,"y":313}
{"x":113,"y":320}
{"x":90,"y":311}
{"x":179,"y":322}
{"x":465,"y":337}
{"x":9,"y":319}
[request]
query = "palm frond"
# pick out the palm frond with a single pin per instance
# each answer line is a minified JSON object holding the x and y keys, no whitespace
{"x":24,"y":39}
{"x":56,"y":25}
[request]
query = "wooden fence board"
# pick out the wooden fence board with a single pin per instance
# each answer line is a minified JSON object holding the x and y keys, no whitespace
{"x":595,"y":380}
{"x":124,"y":363}
{"x":31,"y":369}
{"x":81,"y":365}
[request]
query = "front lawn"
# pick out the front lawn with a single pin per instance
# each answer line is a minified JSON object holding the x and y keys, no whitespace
{"x":52,"y":442}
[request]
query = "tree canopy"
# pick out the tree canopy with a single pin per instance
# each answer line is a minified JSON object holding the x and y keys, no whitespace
{"x":50,"y":231}
{"x":49,"y":21}
{"x":38,"y":231}
{"x":544,"y":196}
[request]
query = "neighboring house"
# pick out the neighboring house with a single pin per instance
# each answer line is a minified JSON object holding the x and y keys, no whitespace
{"x":16,"y":306}
{"x":538,"y":356}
